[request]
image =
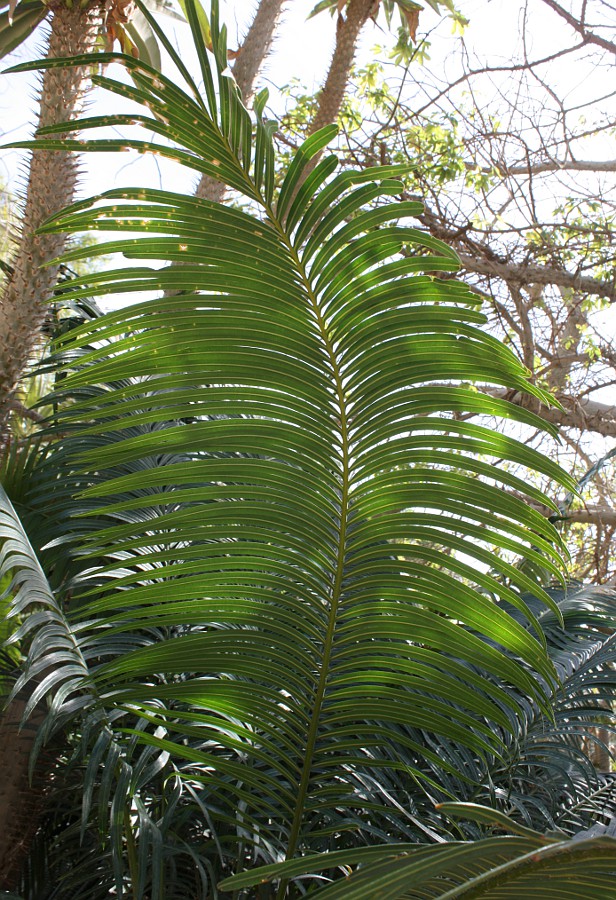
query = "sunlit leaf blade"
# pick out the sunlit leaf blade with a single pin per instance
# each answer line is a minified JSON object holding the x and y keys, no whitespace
{"x":144,"y":39}
{"x":18,"y":22}
{"x":491,"y":817}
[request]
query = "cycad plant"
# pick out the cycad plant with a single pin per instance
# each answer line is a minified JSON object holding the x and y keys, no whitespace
{"x":292,"y":552}
{"x":541,"y":776}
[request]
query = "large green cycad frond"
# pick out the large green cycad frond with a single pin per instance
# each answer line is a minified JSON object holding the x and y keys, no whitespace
{"x":322,"y":559}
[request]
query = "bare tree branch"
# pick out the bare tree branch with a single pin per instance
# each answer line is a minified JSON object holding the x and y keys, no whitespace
{"x":484,"y":261}
{"x":581,"y":414}
{"x":588,"y":37}
{"x":24,"y":412}
{"x":527,"y":275}
{"x":593,"y":514}
{"x":489,"y":70}
{"x":565,"y":165}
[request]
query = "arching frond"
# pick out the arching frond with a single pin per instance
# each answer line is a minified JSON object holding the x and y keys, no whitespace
{"x":520,"y":862}
{"x":297,"y":534}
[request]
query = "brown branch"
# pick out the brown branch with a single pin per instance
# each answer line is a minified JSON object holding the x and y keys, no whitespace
{"x":526,"y":275}
{"x":484,"y":261}
{"x":589,"y":37}
{"x":581,"y":414}
{"x":567,"y":165}
{"x":23,"y":412}
{"x":256,"y":47}
{"x":593,"y":514}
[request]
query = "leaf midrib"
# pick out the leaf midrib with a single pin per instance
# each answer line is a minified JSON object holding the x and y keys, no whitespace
{"x":339,"y":570}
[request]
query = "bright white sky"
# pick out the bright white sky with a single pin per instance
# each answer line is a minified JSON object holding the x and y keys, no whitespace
{"x":302,"y":50}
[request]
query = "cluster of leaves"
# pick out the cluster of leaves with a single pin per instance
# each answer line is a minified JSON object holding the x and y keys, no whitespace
{"x":407,"y":46}
{"x":541,"y":775}
{"x":267,"y":606}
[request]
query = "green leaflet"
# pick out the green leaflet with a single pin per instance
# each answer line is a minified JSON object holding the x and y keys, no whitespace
{"x":507,"y":868}
{"x":523,"y":862}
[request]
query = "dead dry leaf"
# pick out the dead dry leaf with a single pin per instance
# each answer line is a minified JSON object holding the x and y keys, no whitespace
{"x":412,"y":21}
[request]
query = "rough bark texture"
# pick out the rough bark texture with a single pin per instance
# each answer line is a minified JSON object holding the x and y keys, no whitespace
{"x":51,"y":187}
{"x":590,"y":514}
{"x":256,"y":47}
{"x":23,"y":306}
{"x":246,"y":68}
{"x":347,"y":34}
{"x":21,"y":803}
{"x":582,"y":414}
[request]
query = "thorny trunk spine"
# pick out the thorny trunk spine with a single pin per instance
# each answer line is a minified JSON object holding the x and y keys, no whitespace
{"x":51,"y":186}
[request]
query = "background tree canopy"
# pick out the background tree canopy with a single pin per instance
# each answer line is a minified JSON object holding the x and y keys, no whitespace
{"x":283,"y":534}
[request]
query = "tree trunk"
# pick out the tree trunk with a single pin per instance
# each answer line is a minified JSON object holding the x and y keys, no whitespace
{"x":246,"y":68}
{"x":51,"y":186}
{"x":347,"y":34}
{"x":21,"y":802}
{"x":332,"y":94}
{"x":23,"y":308}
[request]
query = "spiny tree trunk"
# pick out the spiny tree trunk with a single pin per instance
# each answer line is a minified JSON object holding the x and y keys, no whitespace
{"x":23,"y":308}
{"x":246,"y":68}
{"x":347,"y":35}
{"x":348,"y":30}
{"x":51,"y":187}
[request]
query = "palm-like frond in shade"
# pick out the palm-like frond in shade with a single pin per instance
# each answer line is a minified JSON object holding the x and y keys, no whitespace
{"x":104,"y":775}
{"x":320,"y":582}
{"x":507,"y":866}
{"x":547,"y":775}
